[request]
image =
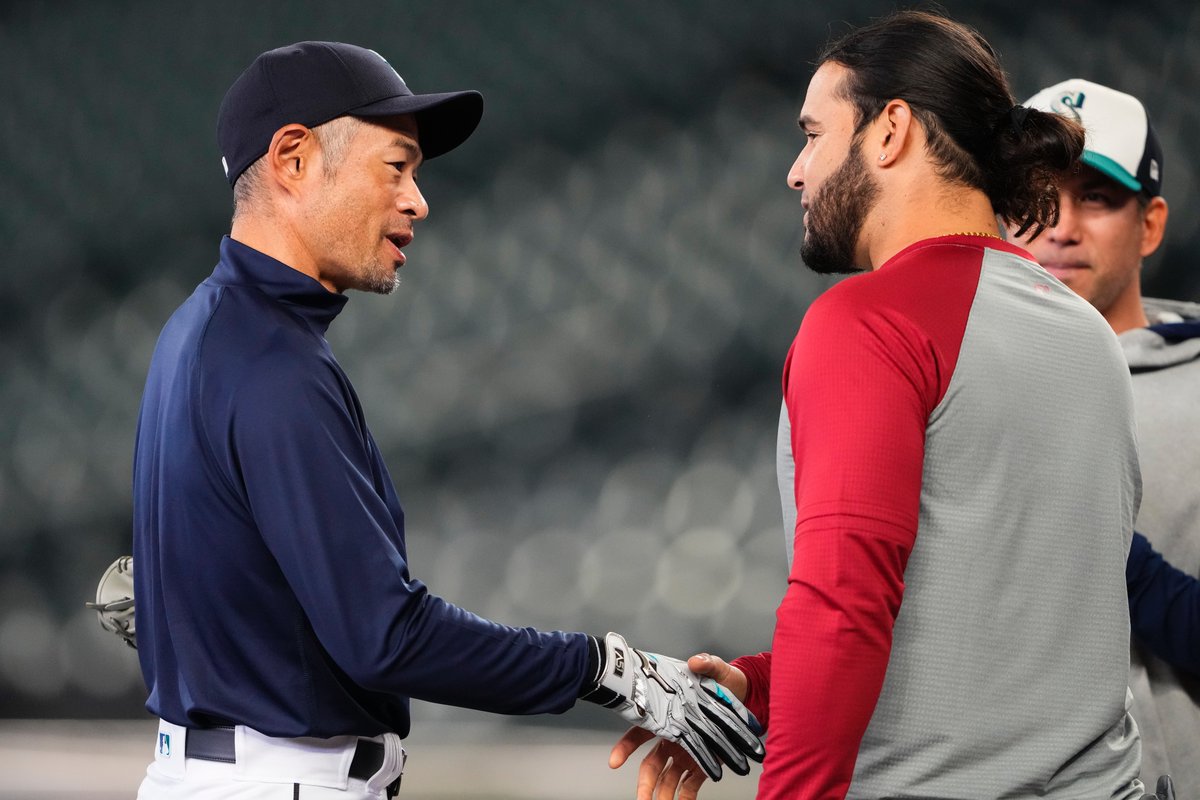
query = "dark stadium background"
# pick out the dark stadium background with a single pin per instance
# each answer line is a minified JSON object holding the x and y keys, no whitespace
{"x":576,"y":386}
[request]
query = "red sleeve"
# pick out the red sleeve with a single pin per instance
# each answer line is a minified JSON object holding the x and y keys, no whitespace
{"x":757,"y":670}
{"x":861,"y":381}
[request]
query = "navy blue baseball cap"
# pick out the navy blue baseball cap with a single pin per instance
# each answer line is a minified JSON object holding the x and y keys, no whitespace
{"x":313,"y":82}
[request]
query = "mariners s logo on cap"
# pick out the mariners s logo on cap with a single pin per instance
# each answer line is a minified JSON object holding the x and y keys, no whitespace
{"x":1068,"y":105}
{"x":393,"y":69}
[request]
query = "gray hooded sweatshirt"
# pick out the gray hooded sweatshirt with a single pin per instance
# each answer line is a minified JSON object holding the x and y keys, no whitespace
{"x":1164,"y":361}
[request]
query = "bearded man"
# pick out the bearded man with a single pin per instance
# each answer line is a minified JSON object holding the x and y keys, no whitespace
{"x":965,"y":469}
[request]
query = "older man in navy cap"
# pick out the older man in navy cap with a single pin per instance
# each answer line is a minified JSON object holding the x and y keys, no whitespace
{"x":280,"y":630}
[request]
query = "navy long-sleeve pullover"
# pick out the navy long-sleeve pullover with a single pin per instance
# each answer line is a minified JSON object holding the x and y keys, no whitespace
{"x":1164,"y":606}
{"x":272,"y":578}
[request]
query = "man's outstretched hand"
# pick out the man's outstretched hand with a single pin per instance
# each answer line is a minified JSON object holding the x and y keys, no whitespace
{"x":667,"y":771}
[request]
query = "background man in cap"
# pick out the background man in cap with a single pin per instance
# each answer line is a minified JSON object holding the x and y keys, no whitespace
{"x":280,"y":630}
{"x":1112,"y":216}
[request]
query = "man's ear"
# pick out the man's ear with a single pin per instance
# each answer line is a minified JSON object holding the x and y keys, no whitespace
{"x":1154,"y":224}
{"x":292,"y":157}
{"x":892,"y":132}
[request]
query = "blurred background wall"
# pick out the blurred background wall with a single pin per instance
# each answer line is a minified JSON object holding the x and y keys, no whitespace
{"x":576,"y":386}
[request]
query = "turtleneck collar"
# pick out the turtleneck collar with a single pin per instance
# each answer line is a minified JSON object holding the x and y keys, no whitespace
{"x":242,"y":265}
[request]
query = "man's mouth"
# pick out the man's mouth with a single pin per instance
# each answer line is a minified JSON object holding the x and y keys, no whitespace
{"x":1064,"y":269}
{"x":398,"y":242}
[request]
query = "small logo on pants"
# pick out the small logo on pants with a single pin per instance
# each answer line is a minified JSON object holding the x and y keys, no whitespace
{"x":164,"y":744}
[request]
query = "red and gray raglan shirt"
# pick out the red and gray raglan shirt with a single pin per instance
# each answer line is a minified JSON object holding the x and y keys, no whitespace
{"x":955,"y":623}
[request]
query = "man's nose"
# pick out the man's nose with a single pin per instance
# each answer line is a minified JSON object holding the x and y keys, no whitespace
{"x":1066,"y":229}
{"x":795,"y":176}
{"x":412,"y":203}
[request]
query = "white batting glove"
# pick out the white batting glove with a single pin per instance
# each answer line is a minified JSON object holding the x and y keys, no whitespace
{"x":663,"y":696}
{"x":114,"y":600}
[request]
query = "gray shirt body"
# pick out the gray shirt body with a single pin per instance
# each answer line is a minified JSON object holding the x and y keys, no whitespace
{"x":1008,"y":673}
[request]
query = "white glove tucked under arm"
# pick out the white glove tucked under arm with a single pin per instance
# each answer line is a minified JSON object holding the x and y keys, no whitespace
{"x":114,"y":600}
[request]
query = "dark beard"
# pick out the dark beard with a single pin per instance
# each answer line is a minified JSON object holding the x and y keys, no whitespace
{"x":836,"y":216}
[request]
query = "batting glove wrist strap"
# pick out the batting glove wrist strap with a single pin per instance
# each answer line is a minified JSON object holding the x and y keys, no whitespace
{"x":663,"y":696}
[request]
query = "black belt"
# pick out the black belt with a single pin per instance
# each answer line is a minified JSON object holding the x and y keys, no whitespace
{"x":217,"y":744}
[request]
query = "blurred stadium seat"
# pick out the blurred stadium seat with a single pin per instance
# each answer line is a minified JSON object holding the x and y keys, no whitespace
{"x":577,"y":384}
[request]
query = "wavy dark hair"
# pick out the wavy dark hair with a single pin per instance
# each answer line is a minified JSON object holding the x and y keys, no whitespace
{"x":951,"y":78}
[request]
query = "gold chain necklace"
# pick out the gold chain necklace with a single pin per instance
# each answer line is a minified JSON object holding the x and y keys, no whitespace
{"x":977,"y":233}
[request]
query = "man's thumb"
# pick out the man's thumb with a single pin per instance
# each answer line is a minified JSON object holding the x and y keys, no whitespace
{"x":709,"y":666}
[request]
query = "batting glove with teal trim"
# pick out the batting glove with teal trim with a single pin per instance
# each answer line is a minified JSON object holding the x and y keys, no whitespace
{"x":663,"y":696}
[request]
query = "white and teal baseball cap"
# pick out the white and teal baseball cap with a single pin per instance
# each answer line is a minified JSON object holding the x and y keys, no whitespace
{"x":1120,"y":141}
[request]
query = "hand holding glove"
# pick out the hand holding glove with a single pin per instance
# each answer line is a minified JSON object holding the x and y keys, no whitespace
{"x":663,"y":696}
